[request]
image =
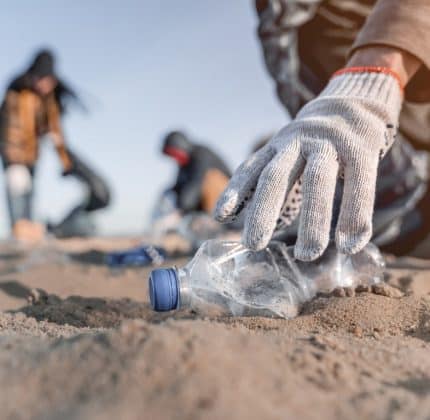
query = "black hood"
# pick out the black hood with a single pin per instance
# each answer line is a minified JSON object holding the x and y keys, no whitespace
{"x":178,"y":140}
{"x":43,"y":65}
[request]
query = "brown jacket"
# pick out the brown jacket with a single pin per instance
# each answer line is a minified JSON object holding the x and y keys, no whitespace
{"x":24,"y":118}
{"x":306,"y":41}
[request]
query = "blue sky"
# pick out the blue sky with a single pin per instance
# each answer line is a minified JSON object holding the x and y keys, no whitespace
{"x":143,"y":67}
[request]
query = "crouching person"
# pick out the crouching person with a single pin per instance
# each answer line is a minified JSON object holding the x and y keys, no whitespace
{"x":202,"y":175}
{"x":32,"y":108}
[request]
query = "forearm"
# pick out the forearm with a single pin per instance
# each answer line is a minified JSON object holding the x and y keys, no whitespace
{"x":60,"y":146}
{"x":405,"y":65}
{"x":279,"y":22}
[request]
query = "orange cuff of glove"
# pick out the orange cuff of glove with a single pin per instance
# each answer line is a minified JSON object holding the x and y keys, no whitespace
{"x":370,"y":69}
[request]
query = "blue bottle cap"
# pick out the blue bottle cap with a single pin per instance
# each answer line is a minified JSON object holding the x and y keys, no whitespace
{"x":164,"y":289}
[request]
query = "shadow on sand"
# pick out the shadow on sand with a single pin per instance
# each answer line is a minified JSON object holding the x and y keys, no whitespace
{"x":91,"y":312}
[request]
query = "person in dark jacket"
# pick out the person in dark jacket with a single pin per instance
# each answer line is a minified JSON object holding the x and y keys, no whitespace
{"x":32,"y":108}
{"x":202,"y":174}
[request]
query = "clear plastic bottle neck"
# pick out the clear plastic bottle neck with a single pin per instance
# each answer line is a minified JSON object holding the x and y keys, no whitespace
{"x":184,"y":287}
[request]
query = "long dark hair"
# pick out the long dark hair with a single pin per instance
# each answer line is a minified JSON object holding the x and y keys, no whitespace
{"x":43,"y":65}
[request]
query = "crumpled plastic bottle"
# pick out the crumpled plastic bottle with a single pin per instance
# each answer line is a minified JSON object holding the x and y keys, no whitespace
{"x":227,"y":279}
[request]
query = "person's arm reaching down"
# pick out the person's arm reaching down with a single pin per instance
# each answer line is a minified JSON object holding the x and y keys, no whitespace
{"x":279,"y":22}
{"x":57,"y":136}
{"x":62,"y":152}
{"x":345,"y":131}
{"x":188,"y":186}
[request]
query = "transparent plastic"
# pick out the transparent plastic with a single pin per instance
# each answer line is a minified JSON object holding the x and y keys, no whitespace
{"x":227,"y":279}
{"x":198,"y":227}
{"x":195,"y":227}
{"x":165,"y":215}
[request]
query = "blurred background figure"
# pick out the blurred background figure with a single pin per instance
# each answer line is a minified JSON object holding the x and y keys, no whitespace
{"x":202,"y":174}
{"x":185,"y":209}
{"x":226,"y":99}
{"x":32,"y":108}
{"x":182,"y":217}
{"x":78,"y":221}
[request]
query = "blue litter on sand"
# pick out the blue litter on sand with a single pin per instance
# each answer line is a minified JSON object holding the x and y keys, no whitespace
{"x":137,"y":257}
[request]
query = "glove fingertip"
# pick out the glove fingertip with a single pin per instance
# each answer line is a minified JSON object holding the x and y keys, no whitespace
{"x":255,"y":239}
{"x":222,"y":213}
{"x":308,"y":253}
{"x":223,"y":217}
{"x":228,"y":206}
{"x":351,"y":244}
{"x":254,"y":245}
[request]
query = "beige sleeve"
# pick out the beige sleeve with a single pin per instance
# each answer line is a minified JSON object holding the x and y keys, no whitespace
{"x":404,"y":24}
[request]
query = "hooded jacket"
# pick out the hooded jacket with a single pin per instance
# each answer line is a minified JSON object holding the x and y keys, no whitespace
{"x":202,"y":179}
{"x":25,"y":116}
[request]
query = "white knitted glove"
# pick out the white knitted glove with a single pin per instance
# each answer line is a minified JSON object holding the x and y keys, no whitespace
{"x":345,"y":131}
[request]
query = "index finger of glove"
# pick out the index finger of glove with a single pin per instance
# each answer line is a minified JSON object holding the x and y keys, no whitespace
{"x":270,"y":195}
{"x":242,"y":185}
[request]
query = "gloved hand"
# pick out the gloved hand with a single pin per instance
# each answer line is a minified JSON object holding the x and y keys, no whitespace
{"x":345,"y":131}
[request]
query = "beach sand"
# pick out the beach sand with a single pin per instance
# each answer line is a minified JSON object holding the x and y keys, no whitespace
{"x":80,"y":341}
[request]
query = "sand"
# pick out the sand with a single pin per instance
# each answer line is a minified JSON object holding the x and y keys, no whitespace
{"x":79,"y":341}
